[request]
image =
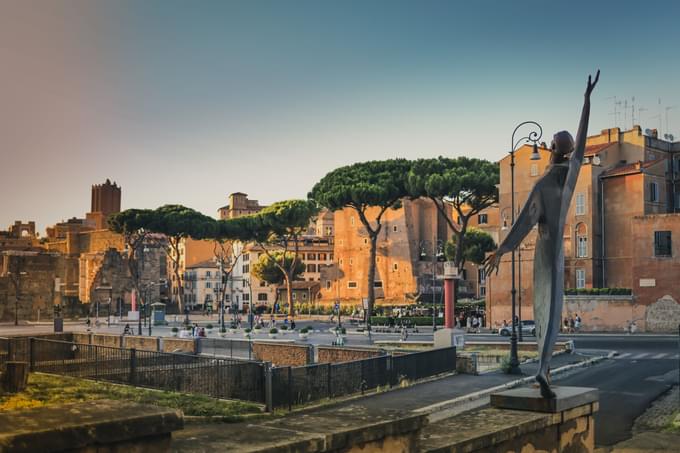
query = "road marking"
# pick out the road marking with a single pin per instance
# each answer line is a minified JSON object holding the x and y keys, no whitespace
{"x":639,"y":356}
{"x":676,"y":356}
{"x":658,"y":356}
{"x":621,"y":356}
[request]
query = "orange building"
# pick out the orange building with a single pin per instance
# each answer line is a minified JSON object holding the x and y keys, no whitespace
{"x":625,"y":175}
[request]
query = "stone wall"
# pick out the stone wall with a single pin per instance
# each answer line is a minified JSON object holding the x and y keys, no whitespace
{"x":283,"y":354}
{"x":143,"y":343}
{"x":663,"y":315}
{"x":112,"y":341}
{"x":329,"y":354}
{"x":176,"y":344}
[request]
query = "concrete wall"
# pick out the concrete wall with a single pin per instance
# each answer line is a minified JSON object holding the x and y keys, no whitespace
{"x":176,"y":344}
{"x":143,"y":343}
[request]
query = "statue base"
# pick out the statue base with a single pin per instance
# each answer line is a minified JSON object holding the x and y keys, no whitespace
{"x":530,"y":399}
{"x":445,"y":338}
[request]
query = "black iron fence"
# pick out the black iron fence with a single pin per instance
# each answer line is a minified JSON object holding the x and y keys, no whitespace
{"x":300,"y":385}
{"x":224,"y":377}
{"x":223,"y":347}
{"x":215,"y":377}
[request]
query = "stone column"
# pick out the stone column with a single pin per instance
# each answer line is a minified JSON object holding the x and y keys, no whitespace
{"x":449,"y":322}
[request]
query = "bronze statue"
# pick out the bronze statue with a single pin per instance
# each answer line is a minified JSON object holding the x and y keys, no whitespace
{"x":547,"y":206}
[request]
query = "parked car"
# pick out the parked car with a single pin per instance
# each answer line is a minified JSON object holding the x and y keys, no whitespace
{"x":528,"y":327}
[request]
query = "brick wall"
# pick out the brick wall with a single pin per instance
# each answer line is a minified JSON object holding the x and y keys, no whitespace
{"x":329,"y":354}
{"x":283,"y":354}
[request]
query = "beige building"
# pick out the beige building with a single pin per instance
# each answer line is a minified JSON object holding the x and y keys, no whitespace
{"x":239,"y":205}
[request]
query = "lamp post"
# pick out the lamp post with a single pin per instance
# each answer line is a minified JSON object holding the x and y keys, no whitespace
{"x":533,"y":137}
{"x":437,"y":255}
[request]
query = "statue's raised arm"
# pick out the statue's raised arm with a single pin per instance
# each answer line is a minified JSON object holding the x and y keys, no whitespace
{"x":576,"y":159}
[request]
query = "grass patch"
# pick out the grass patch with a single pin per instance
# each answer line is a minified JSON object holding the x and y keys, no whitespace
{"x":48,"y":390}
{"x":674,"y":424}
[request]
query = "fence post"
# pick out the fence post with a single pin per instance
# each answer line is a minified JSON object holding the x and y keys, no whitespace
{"x":268,"y":394}
{"x":290,"y":389}
{"x":330,"y":392}
{"x":96,"y":362}
{"x":31,"y":356}
{"x":133,"y":365}
{"x":231,"y":349}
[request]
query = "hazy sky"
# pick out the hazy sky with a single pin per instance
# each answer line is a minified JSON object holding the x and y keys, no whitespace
{"x":188,"y":101}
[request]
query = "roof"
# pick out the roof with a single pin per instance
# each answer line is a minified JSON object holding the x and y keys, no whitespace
{"x":629,"y":169}
{"x":202,"y":264}
{"x":596,"y":149}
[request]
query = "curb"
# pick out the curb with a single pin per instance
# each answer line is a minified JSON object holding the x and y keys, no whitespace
{"x":444,"y":405}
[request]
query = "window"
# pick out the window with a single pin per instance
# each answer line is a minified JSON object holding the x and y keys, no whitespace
{"x":351,"y":261}
{"x":581,"y":241}
{"x":246,"y":257}
{"x":365,"y":240}
{"x":395,"y":267}
{"x":653,"y":192}
{"x":482,"y":219}
{"x":481,"y":275}
{"x":329,"y":231}
{"x":207,"y":274}
{"x":246,"y":297}
{"x":352,"y":285}
{"x":395,"y":229}
{"x":323,"y":257}
{"x":662,"y":243}
{"x":208,"y":285}
{"x":377,"y":284}
{"x":351,"y":221}
{"x":580,"y":204}
{"x":304,"y":296}
{"x":244,"y":283}
{"x":328,"y":284}
{"x":263,"y":283}
{"x":482,"y":291}
{"x":246,"y":268}
{"x":262,"y":297}
{"x":311,"y":268}
{"x":311,"y":256}
{"x":534,"y":170}
{"x":580,"y":278}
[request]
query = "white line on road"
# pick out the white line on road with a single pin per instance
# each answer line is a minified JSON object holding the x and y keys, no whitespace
{"x":658,"y":356}
{"x":639,"y":356}
{"x":621,"y":356}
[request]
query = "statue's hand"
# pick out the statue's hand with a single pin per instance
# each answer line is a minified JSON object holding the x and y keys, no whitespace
{"x":591,"y":85}
{"x":491,"y":263}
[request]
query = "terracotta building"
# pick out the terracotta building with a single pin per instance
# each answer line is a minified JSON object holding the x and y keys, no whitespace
{"x":105,"y":201}
{"x":409,"y":239}
{"x":626,"y":175}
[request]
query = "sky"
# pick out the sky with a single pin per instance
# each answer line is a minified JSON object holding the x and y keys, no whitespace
{"x":188,"y":101}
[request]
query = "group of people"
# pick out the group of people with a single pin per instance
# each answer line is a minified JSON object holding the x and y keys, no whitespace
{"x":572,"y":324}
{"x":259,"y":320}
{"x":473,"y":323}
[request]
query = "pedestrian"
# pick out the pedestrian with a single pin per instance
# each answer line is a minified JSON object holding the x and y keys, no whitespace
{"x":572,"y":325}
{"x":292,"y":324}
{"x":127,"y":330}
{"x":566,"y":325}
{"x":577,"y":323}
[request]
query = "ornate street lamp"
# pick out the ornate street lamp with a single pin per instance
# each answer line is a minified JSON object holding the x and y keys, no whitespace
{"x":533,"y":137}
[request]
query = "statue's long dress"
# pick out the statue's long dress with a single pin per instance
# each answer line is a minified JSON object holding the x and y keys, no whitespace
{"x":549,"y":266}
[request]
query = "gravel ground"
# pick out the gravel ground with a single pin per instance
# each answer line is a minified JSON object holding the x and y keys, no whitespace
{"x":658,"y":416}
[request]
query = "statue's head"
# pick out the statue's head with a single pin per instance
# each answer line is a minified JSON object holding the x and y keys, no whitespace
{"x":562,"y":144}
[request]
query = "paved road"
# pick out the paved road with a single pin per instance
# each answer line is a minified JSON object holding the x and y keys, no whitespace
{"x":645,"y":368}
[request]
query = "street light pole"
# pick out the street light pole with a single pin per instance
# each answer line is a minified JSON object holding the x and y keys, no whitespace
{"x":533,"y":137}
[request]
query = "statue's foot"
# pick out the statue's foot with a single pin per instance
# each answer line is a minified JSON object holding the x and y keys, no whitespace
{"x":545,"y":387}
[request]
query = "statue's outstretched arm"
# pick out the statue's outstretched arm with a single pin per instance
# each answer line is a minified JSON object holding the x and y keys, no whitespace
{"x":576,"y":159}
{"x":525,"y":221}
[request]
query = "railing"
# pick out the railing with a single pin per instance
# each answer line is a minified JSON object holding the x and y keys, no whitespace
{"x":301,"y":385}
{"x":222,"y":347}
{"x":215,"y":377}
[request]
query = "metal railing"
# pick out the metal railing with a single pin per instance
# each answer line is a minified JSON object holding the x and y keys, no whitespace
{"x":223,"y":347}
{"x":215,"y":377}
{"x":293,"y":386}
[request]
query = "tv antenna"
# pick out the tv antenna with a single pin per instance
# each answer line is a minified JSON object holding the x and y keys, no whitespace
{"x":667,"y":109}
{"x":615,"y":113}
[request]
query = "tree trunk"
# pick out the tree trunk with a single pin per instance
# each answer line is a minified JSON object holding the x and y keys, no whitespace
{"x":289,"y":290}
{"x":174,"y":257}
{"x":371,"y":277}
{"x":15,"y":377}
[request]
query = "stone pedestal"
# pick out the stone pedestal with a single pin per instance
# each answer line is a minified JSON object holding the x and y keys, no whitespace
{"x":445,"y":338}
{"x":530,"y":399}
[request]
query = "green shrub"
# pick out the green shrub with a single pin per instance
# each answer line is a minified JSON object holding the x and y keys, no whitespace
{"x":247,"y":330}
{"x":505,"y":364}
{"x":273,"y":330}
{"x":258,"y":327}
{"x":417,"y":320}
{"x":209,"y":326}
{"x":304,"y":330}
{"x":175,"y":330}
{"x":284,"y":327}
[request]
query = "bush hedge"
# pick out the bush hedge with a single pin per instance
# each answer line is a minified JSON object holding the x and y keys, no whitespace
{"x":414,"y":320}
{"x":598,"y":292}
